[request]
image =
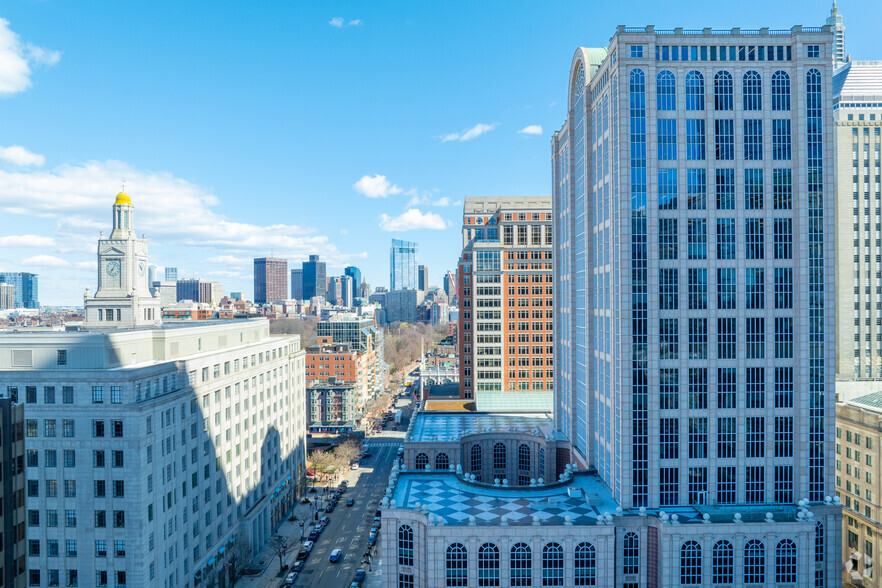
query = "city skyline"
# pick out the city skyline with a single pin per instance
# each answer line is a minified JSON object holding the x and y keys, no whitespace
{"x":200,"y":217}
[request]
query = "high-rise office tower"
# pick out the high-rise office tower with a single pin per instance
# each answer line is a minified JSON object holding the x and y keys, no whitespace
{"x":270,"y":279}
{"x":403,"y":265}
{"x":171,"y":274}
{"x":297,"y":284}
{"x":450,"y":288}
{"x":506,"y":298}
{"x":423,"y":278}
{"x":345,"y":291}
{"x":26,"y":288}
{"x":315,"y":280}
{"x":7,"y":296}
{"x":355,"y":274}
{"x":835,"y":22}
{"x":694,"y":265}
{"x":196,"y":290}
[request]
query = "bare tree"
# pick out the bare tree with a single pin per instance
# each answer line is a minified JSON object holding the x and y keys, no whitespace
{"x":237,"y":555}
{"x":305,"y":328}
{"x":280,"y":547}
{"x":348,"y":451}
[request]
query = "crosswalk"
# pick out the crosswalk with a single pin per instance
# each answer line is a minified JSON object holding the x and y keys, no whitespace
{"x":384,"y":443}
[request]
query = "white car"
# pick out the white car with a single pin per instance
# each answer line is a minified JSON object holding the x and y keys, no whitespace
{"x":354,"y":465}
{"x":307,"y":546}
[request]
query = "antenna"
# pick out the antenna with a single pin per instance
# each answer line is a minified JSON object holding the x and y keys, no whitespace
{"x":124,"y":185}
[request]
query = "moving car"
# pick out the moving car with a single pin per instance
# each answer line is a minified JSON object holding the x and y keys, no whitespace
{"x":354,"y":465}
{"x":335,"y":556}
{"x":360,"y":576}
{"x":349,"y":502}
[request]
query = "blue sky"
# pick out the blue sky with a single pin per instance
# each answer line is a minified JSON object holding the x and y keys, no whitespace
{"x":292,"y":127}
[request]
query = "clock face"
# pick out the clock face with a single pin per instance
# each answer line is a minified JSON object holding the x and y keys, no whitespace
{"x":141,"y":267}
{"x":112,"y":268}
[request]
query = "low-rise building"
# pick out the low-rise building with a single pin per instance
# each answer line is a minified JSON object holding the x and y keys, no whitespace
{"x":332,"y":406}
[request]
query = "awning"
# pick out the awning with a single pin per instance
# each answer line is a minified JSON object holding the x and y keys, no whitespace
{"x":220,"y":551}
{"x":211,"y":561}
{"x":232,"y":538}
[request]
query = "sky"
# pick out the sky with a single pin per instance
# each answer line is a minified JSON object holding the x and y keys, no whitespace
{"x":291,"y":128}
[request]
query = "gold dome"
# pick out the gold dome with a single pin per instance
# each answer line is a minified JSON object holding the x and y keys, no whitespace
{"x":123,"y":198}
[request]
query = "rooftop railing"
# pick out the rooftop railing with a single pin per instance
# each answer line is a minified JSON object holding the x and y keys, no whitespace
{"x":734,"y":32}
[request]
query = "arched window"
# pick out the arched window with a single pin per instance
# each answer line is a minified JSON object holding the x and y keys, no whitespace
{"x":477,"y":461}
{"x":524,"y":465}
{"x":785,"y":562}
{"x":751,"y":91}
{"x":666,"y":91}
{"x":780,"y":90}
{"x":724,"y":563}
{"x":499,"y":456}
{"x":755,"y":562}
{"x":405,"y":545}
{"x":552,"y":565}
{"x":723,"y":91}
{"x":442,"y":462}
{"x":631,"y":559}
{"x":694,"y":90}
{"x":457,"y":565}
{"x":422,"y":460}
{"x":488,"y":565}
{"x":690,"y":564}
{"x":585,"y":565}
{"x":819,"y":542}
{"x":541,"y":473}
{"x":521,"y":565}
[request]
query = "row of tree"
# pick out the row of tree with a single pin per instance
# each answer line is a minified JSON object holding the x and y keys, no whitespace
{"x":328,"y":462}
{"x":402,"y":342}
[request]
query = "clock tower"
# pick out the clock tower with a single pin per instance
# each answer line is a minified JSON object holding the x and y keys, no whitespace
{"x":123,"y":297}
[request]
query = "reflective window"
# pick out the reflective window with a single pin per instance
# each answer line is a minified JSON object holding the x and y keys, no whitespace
{"x":666,"y":91}
{"x":457,"y":565}
{"x":723,"y":91}
{"x":552,"y":565}
{"x":405,"y":545}
{"x":488,"y":565}
{"x":752,"y":91}
{"x":723,"y":563}
{"x":754,"y":562}
{"x":690,"y":564}
{"x":694,"y":91}
{"x":585,"y":565}
{"x":521,"y":565}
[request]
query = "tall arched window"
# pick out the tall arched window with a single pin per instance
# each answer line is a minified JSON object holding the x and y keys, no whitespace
{"x":457,"y":565}
{"x":723,"y":563}
{"x":751,"y":91}
{"x":690,"y":564}
{"x":552,"y":565}
{"x":785,"y":562}
{"x":631,"y":554}
{"x":524,"y":464}
{"x":442,"y":462}
{"x":541,"y":462}
{"x":521,"y":565}
{"x":405,"y":545}
{"x":477,"y":461}
{"x":755,"y":562}
{"x":499,"y":456}
{"x":488,"y":565}
{"x":585,"y":565}
{"x":723,"y":91}
{"x":666,"y":91}
{"x":780,"y":90}
{"x":694,"y":90}
{"x":422,"y":460}
{"x":819,"y":542}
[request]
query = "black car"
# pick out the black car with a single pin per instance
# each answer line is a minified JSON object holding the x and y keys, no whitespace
{"x":313,"y":535}
{"x":329,"y":508}
{"x":378,"y":513}
{"x":350,"y":502}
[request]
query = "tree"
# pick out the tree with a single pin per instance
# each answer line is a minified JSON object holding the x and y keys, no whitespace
{"x":278,"y":545}
{"x":348,"y":451}
{"x":305,"y":328}
{"x":237,"y":555}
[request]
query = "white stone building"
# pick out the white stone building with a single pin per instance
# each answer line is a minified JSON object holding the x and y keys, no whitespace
{"x":154,"y":453}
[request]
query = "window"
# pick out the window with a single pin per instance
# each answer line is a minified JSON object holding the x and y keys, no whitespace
{"x":696,"y":235}
{"x":782,"y":189}
{"x":67,"y":394}
{"x":636,"y":51}
{"x":695,"y":145}
{"x":756,"y":337}
{"x":723,"y":563}
{"x":690,"y":564}
{"x":524,"y":458}
{"x":405,"y":545}
{"x":697,"y":288}
{"x":754,"y":236}
{"x":521,"y":565}
{"x":726,"y":387}
{"x":755,"y":562}
{"x":117,"y":428}
{"x":783,"y":387}
{"x":669,"y":338}
{"x":116,"y":394}
{"x":694,"y":91}
{"x":477,"y":461}
{"x":784,"y":484}
{"x":488,"y":565}
{"x":785,"y":562}
{"x":723,"y":91}
{"x":97,"y":428}
{"x":669,"y":485}
{"x":726,"y":485}
{"x":753,"y":139}
{"x":667,"y":189}
{"x":697,"y":486}
{"x":753,"y":189}
{"x":457,"y":565}
{"x":631,"y":554}
{"x":696,"y":189}
{"x":669,"y":388}
{"x":755,"y":289}
{"x":783,"y":233}
{"x":697,"y":438}
{"x":724,"y":135}
{"x":666,"y":91}
{"x":669,"y":295}
{"x":552,"y":565}
{"x":97,"y":395}
{"x":813,"y":51}
{"x":667,"y":238}
{"x":585,"y":565}
{"x":67,"y":428}
{"x":783,"y":337}
{"x":725,"y":188}
{"x":781,"y":140}
{"x":727,"y":436}
{"x":667,"y":139}
{"x":727,"y":338}
{"x":499,"y":457}
{"x":755,"y":388}
{"x":755,"y":487}
{"x":752,"y":91}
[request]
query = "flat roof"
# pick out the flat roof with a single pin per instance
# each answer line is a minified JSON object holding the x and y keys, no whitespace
{"x":437,"y":425}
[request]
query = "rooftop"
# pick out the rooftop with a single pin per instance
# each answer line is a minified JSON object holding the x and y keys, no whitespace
{"x":491,"y":204}
{"x":871,"y":400}
{"x":436,"y":426}
{"x":858,"y":80}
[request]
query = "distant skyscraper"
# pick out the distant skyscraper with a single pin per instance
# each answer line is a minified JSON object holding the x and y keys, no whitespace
{"x":355,"y":273}
{"x":450,"y":289}
{"x":403,"y":265}
{"x":195,"y":290}
{"x":315,"y":281}
{"x":7,"y":296}
{"x":423,"y":278}
{"x":270,"y":279}
{"x":152,"y":272}
{"x":171,"y":274}
{"x":297,"y":283}
{"x":25,"y":288}
{"x":835,"y":22}
{"x":345,"y":291}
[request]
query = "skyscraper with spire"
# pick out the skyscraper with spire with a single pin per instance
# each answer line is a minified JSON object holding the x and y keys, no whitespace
{"x":835,"y":21}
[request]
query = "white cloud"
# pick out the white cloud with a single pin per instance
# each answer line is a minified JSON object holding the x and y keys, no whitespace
{"x":17,"y":59}
{"x":344,"y":231}
{"x":86,"y":265}
{"x":230,"y":260}
{"x":410,"y":220}
{"x":26,"y":241}
{"x":18,"y":155}
{"x":426,"y":199}
{"x":376,"y":187}
{"x":337,"y":21}
{"x":356,"y":22}
{"x":469,"y":134}
{"x":531,"y":130}
{"x":45,"y":261}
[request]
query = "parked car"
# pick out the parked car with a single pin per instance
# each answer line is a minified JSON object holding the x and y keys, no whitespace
{"x":354,"y":465}
{"x":350,"y":502}
{"x":298,"y":565}
{"x":379,"y":513}
{"x":335,"y":556}
{"x":290,"y":578}
{"x":329,"y":508}
{"x":307,"y":546}
{"x":377,"y":522}
{"x":360,"y":576}
{"x":372,"y":538}
{"x":314,"y":534}
{"x":324,"y":520}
